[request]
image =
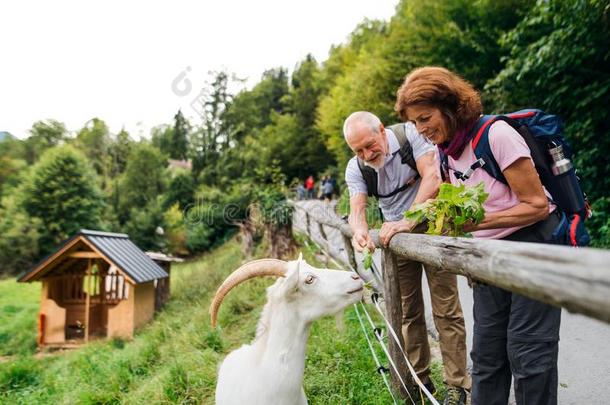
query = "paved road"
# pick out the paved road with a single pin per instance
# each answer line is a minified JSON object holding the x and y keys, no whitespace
{"x":584,"y":349}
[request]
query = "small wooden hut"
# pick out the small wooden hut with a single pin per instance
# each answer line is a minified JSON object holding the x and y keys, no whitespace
{"x":97,"y":284}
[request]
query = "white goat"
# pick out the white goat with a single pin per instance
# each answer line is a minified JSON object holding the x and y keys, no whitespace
{"x":270,"y":369}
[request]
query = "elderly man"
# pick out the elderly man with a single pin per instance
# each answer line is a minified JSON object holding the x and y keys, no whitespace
{"x":405,"y":172}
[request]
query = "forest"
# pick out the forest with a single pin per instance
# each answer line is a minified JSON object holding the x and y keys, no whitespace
{"x":191,"y":184}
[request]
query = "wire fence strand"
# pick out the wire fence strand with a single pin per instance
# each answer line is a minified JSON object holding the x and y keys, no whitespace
{"x":409,"y":366}
{"x":382,"y":370}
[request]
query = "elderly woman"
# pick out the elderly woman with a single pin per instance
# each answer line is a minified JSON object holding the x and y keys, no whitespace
{"x":513,"y":335}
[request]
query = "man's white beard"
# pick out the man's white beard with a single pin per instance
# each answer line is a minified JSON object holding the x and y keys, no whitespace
{"x":375,"y":165}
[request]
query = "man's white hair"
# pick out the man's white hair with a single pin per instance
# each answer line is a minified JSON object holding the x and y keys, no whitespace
{"x":362,"y":118}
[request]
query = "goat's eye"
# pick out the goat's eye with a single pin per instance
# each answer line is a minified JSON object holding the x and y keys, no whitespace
{"x":310,"y":279}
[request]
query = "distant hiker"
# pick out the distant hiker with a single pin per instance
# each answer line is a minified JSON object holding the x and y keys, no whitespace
{"x":335,"y":186}
{"x":309,"y":186}
{"x":301,"y":192}
{"x":327,"y":190}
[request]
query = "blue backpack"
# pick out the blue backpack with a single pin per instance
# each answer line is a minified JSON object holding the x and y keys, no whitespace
{"x":551,"y":154}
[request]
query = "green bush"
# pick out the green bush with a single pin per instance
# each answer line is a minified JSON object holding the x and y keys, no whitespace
{"x":175,"y":231}
{"x":211,"y":219}
{"x":145,"y":226}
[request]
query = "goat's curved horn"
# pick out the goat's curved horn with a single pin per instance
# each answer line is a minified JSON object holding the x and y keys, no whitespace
{"x":255,"y":268}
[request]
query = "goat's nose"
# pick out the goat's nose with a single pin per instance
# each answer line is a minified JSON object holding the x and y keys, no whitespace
{"x":355,"y":277}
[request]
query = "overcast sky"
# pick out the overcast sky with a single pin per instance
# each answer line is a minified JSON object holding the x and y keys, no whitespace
{"x":122,"y":61}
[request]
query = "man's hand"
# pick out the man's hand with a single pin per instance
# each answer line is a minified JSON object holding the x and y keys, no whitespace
{"x":389,"y":229}
{"x":362,"y":239}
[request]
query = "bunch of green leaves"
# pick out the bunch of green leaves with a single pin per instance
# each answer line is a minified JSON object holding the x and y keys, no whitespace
{"x":367,"y":260}
{"x":452,"y":208}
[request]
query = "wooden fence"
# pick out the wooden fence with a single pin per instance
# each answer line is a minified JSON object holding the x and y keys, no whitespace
{"x":577,"y":279}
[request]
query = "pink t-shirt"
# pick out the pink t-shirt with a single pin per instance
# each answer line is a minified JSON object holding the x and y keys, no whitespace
{"x":507,"y":146}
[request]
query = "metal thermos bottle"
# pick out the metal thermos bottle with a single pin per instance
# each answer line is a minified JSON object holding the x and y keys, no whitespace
{"x":567,"y":192}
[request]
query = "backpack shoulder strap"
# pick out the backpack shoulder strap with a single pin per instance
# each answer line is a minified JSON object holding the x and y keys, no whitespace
{"x":370,"y":178}
{"x":482,"y":148}
{"x":406,"y":150}
{"x":444,"y":166}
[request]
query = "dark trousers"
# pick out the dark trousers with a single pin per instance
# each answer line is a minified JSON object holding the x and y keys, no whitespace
{"x":516,"y":337}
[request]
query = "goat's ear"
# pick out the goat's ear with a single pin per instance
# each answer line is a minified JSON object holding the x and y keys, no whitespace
{"x":291,"y":282}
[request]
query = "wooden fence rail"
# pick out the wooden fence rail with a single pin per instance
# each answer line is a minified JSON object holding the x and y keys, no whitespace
{"x":577,"y":279}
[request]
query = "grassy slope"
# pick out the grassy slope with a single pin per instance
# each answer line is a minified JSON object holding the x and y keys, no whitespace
{"x":19,"y":304}
{"x":175,"y":358}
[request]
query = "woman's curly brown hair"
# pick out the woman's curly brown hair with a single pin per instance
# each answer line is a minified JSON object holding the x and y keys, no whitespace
{"x":438,"y":87}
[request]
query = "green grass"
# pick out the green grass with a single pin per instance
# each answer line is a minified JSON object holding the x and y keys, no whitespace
{"x":19,"y":304}
{"x":174,"y":359}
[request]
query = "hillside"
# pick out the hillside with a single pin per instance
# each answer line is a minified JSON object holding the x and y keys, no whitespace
{"x":175,"y":358}
{"x":5,"y":135}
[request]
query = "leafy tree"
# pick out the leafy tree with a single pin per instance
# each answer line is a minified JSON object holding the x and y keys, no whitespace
{"x":269,"y":93}
{"x":179,"y":137}
{"x":243,"y":119}
{"x":11,"y":146}
{"x":62,"y":193}
{"x":161,"y":138}
{"x":363,"y":39}
{"x":303,"y":100}
{"x":118,"y":151}
{"x":145,"y":226}
{"x":212,"y":135}
{"x":175,"y":231}
{"x":212,"y":218}
{"x":94,"y":140}
{"x":143,"y":180}
{"x":118,"y":154}
{"x":275,"y":214}
{"x":10,"y":169}
{"x":181,"y":190}
{"x":347,"y":74}
{"x":354,"y":91}
{"x":12,"y":163}
{"x":18,"y":242}
{"x":295,"y":150}
{"x":305,"y":90}
{"x":250,"y":110}
{"x":460,"y":35}
{"x":291,"y":139}
{"x":44,"y":134}
{"x":559,"y":62}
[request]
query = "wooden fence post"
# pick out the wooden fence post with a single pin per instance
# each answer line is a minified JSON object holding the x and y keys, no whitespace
{"x":326,"y":248}
{"x":308,"y":224}
{"x":351,"y":254}
{"x":393,"y":310}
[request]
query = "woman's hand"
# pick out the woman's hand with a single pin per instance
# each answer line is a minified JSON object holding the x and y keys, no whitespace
{"x":469,"y":226}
